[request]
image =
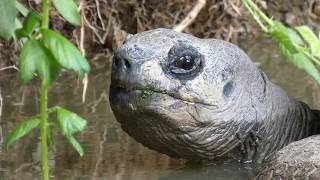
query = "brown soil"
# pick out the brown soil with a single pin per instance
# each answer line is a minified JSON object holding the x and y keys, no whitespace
{"x":108,"y":22}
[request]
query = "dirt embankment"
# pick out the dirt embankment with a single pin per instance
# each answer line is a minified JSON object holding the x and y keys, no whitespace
{"x":108,"y":21}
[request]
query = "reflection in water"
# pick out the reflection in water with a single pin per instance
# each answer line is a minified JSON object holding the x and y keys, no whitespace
{"x":227,"y":170}
{"x":109,"y":152}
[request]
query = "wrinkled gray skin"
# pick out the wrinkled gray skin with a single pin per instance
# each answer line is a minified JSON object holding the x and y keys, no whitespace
{"x":298,"y":160}
{"x":224,"y":107}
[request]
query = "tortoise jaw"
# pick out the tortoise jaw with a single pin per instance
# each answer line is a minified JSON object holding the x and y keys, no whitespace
{"x":146,"y":92}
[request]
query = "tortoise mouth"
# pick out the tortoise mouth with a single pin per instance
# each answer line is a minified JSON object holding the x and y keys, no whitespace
{"x":145,"y":93}
{"x":149,"y":101}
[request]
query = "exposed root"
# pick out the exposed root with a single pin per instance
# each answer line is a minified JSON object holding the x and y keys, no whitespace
{"x":85,"y":80}
{"x":191,"y":16}
{"x":106,"y":19}
{"x":82,"y":30}
{"x":99,"y":14}
{"x":10,"y":67}
{"x":106,"y":23}
{"x":100,"y":153}
{"x":103,"y":97}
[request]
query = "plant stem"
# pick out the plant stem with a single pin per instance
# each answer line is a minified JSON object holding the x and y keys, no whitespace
{"x":43,"y":131}
{"x":45,"y":13}
{"x":258,"y":15}
{"x":44,"y":103}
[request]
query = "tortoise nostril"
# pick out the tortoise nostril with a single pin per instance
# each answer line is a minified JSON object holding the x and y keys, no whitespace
{"x":116,"y":61}
{"x":121,"y":63}
{"x":127,"y":63}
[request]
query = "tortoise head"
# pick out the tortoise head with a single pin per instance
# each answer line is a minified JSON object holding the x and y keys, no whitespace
{"x":184,"y":96}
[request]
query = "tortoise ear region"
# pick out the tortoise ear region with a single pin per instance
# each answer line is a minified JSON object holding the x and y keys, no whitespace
{"x":228,"y":89}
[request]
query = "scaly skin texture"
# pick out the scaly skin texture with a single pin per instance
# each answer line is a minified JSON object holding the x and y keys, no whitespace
{"x":298,"y":160}
{"x":201,"y":99}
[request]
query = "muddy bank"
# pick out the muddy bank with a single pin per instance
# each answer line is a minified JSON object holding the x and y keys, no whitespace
{"x":108,"y":22}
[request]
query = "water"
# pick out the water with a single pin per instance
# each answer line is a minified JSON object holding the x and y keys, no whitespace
{"x":109,"y":152}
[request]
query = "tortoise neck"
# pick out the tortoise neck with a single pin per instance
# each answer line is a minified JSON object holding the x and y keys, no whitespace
{"x":315,"y":122}
{"x":288,"y":121}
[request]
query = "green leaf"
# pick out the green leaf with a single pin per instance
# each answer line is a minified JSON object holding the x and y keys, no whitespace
{"x":31,"y":23}
{"x":300,"y":60}
{"x":65,"y":52}
{"x":291,"y":46}
{"x":17,"y":23}
{"x":76,"y":145}
{"x":21,"y":130}
{"x":304,"y":63}
{"x":68,"y":122}
{"x":36,"y":58}
{"x":312,"y":40}
{"x":22,"y":9}
{"x":285,"y":35}
{"x":69,"y":10}
{"x":293,"y":43}
{"x":7,"y":18}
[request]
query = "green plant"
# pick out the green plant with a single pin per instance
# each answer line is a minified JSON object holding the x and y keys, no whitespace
{"x":43,"y":54}
{"x":299,"y":44}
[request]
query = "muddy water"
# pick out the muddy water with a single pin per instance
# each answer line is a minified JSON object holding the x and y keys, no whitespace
{"x":109,"y":152}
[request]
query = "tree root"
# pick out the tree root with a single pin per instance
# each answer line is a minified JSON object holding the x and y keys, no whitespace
{"x":191,"y":16}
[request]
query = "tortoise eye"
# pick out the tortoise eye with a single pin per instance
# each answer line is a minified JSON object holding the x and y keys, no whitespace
{"x":184,"y":60}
